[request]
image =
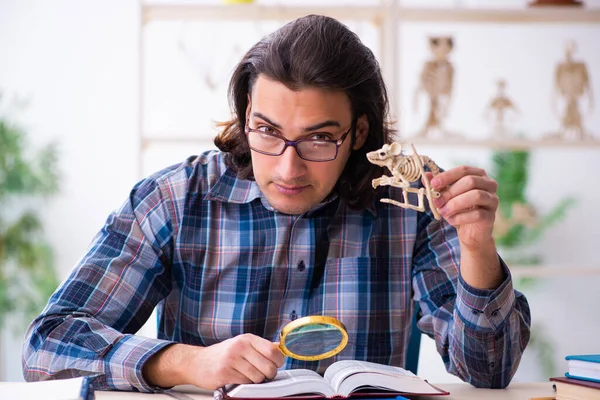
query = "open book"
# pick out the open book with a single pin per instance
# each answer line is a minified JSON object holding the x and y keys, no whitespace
{"x":59,"y":389}
{"x":343,"y":378}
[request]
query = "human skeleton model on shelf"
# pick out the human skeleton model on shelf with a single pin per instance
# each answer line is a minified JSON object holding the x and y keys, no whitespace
{"x":499,"y":109}
{"x":436,"y":81}
{"x":572,"y":82}
{"x":406,"y":169}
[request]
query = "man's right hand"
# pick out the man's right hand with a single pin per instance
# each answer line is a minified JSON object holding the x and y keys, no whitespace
{"x":243,"y":359}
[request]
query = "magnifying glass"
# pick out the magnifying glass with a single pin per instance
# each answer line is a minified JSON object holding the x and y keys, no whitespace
{"x":313,"y":338}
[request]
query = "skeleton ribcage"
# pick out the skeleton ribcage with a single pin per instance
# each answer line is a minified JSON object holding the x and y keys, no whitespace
{"x":410,"y":170}
{"x":437,"y":78}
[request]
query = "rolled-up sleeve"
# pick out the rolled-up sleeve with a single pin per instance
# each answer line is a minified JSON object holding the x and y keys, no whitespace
{"x":88,"y":326}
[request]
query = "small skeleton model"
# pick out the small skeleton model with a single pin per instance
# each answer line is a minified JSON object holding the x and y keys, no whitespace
{"x":521,"y":214}
{"x":572,"y":82}
{"x":499,"y":108}
{"x":405,"y":169}
{"x":224,"y":51}
{"x":436,"y":80}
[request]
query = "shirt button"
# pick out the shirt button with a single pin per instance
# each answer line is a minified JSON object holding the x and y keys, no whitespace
{"x":474,"y":311}
{"x":495,"y":313}
{"x":301,"y":266}
{"x":491,"y":365}
{"x":293,"y":315}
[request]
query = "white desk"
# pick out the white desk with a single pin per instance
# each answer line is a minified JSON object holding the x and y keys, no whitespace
{"x":515,"y":391}
{"x":458,"y":391}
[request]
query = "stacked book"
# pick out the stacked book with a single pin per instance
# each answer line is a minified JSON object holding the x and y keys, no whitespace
{"x":582,"y":382}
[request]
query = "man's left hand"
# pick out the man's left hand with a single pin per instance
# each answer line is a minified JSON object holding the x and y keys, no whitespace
{"x":469,"y":202}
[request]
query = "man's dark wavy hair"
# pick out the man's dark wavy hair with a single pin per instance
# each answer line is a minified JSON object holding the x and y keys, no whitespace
{"x":314,"y":52}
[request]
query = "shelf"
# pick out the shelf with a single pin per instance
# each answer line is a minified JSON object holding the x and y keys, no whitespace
{"x":507,"y":144}
{"x":181,"y":140}
{"x":567,"y":15}
{"x":253,"y":12}
{"x":529,"y":15}
{"x":514,"y":144}
{"x":547,"y":271}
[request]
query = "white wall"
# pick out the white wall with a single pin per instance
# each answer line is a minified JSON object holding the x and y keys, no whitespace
{"x":78,"y":61}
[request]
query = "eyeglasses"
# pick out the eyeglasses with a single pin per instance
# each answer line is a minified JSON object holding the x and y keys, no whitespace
{"x":273,"y":144}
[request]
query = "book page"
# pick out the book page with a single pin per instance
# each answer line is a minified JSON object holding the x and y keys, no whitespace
{"x":286,"y":383}
{"x":349,"y":375}
{"x":372,"y":381}
{"x":340,"y":370}
{"x":584,"y":368}
{"x":58,"y":389}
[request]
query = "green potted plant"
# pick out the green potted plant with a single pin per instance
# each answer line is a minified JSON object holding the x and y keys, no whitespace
{"x":27,"y":275}
{"x":518,"y":223}
{"x":518,"y":226}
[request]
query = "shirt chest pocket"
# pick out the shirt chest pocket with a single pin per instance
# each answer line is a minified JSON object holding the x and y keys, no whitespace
{"x":366,"y":293}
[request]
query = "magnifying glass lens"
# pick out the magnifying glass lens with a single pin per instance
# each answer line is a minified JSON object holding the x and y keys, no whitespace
{"x":313,"y":338}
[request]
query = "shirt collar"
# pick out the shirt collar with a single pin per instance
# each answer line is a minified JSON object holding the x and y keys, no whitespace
{"x":231,"y":189}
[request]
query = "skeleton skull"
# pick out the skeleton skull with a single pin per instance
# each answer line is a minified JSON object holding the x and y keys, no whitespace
{"x":386,"y":154}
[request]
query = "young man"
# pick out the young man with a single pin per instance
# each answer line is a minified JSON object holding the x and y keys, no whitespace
{"x":283,"y":222}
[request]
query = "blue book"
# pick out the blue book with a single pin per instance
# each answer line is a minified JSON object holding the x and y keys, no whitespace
{"x":87,"y":391}
{"x":585,"y":367}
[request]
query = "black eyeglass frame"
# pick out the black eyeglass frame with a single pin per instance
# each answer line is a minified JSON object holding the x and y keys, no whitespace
{"x":294,"y":143}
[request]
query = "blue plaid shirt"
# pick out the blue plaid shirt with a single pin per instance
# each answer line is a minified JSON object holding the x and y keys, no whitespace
{"x":218,"y":261}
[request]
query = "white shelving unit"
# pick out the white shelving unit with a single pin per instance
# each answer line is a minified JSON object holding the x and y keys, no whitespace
{"x":388,"y":16}
{"x":552,"y":271}
{"x":508,"y":144}
{"x":514,"y":144}
{"x":184,"y":11}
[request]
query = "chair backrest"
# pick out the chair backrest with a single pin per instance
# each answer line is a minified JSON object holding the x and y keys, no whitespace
{"x":414,"y":344}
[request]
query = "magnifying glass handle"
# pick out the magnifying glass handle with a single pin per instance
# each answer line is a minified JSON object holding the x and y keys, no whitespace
{"x":280,"y":347}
